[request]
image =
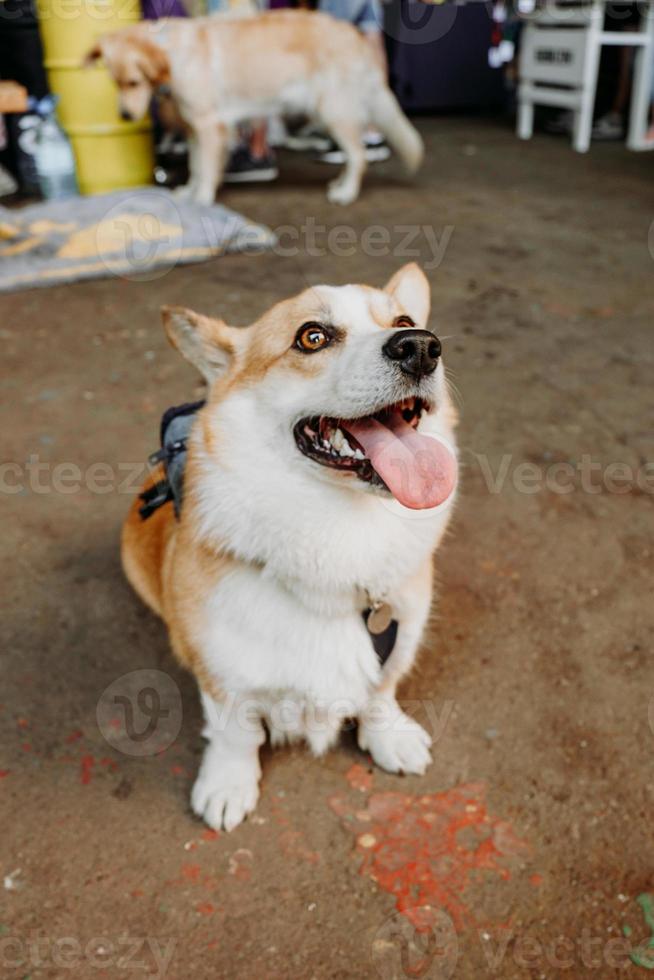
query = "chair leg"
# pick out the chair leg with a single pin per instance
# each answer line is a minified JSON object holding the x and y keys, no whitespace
{"x":642,"y":84}
{"x":584,"y":115}
{"x":525,"y":119}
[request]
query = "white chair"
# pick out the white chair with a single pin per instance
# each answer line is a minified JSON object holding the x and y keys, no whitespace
{"x":559,"y":60}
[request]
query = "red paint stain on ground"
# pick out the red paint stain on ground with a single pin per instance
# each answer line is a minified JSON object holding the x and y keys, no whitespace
{"x":359,"y":778}
{"x":536,"y":880}
{"x":194,"y":874}
{"x":191,"y":871}
{"x":425,"y":850}
{"x":86,"y":768}
{"x":210,"y":835}
{"x":74,"y":737}
{"x":4,"y":772}
{"x":206,"y":908}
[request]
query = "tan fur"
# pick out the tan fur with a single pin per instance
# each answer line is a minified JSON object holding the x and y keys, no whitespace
{"x":143,"y":548}
{"x":222,"y":70}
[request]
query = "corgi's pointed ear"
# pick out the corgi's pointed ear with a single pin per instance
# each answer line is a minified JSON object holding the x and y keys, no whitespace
{"x":209,"y":344}
{"x":410,"y":287}
{"x":92,"y":56}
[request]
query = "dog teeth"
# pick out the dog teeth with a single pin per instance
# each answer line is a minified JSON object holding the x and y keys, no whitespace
{"x":358,"y":454}
{"x":341,"y":445}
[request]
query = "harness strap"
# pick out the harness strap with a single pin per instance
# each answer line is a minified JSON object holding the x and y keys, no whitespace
{"x":176,"y":425}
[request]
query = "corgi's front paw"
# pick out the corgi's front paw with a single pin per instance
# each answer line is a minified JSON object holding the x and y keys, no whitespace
{"x":401,"y":746}
{"x":224,"y":799}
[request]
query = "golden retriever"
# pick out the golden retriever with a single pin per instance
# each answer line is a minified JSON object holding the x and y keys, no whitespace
{"x":224,"y":70}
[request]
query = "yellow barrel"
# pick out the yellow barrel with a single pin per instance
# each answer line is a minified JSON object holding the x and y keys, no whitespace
{"x":109,"y":153}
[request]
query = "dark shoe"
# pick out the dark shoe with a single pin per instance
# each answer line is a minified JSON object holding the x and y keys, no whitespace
{"x":608,"y":127}
{"x":376,"y":149}
{"x":243,"y":168}
{"x":308,"y":139}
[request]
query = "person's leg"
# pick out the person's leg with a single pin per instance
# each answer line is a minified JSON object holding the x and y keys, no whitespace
{"x":259,"y":140}
{"x":252,"y":159}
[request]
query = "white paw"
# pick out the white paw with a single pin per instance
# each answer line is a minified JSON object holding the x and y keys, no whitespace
{"x":402,"y":745}
{"x":225,"y":801}
{"x":339,"y":193}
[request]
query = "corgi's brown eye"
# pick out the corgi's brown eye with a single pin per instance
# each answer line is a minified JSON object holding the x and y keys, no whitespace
{"x":311,"y":337}
{"x":403,"y":323}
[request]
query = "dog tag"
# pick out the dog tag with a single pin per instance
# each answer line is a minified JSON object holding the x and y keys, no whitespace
{"x":383,"y":641}
{"x":379,"y":618}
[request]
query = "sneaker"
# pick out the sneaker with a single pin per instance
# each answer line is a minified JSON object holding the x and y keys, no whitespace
{"x":561,"y":124}
{"x":7,"y":183}
{"x":608,"y":127}
{"x":243,"y":168}
{"x":376,"y":150}
{"x":307,"y":138}
{"x":172,"y":144}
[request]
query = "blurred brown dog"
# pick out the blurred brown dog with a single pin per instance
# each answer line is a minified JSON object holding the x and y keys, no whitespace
{"x":224,"y":70}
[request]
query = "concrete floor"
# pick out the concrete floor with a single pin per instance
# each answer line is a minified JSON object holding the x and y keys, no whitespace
{"x":532,"y":831}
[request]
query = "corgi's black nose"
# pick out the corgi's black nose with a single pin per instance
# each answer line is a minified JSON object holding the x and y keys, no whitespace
{"x":126,"y":115}
{"x":416,"y":352}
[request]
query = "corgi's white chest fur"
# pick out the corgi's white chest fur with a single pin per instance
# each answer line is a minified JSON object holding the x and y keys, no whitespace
{"x":263,"y":642}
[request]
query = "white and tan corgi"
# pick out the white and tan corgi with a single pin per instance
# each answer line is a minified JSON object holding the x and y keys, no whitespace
{"x":223,"y":70}
{"x":320,"y":478}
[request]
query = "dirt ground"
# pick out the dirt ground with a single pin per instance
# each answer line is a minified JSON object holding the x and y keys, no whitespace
{"x":527,"y":844}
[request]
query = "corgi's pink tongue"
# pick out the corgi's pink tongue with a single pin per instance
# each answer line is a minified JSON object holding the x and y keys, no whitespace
{"x":419,"y":471}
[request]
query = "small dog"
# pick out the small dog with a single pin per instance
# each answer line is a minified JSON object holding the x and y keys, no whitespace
{"x":296,"y":579}
{"x":224,"y":70}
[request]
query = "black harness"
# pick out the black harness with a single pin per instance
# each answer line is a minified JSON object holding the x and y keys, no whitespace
{"x":175,"y":428}
{"x":176,"y":425}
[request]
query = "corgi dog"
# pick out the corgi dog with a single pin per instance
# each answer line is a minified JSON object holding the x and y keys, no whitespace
{"x":223,"y":70}
{"x":295,"y":578}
